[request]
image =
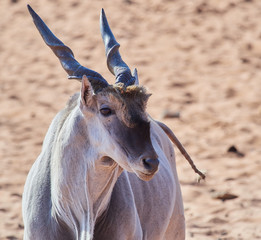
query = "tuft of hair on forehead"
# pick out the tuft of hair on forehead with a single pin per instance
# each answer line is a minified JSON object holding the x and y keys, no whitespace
{"x":132,"y":99}
{"x":130,"y":94}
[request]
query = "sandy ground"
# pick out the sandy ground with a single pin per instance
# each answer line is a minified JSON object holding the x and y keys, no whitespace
{"x":199,"y":58}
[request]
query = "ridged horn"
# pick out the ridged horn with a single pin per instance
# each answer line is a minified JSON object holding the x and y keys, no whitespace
{"x":114,"y":61}
{"x":74,"y":69}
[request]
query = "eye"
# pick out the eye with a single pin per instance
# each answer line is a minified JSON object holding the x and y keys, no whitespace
{"x":106,"y":111}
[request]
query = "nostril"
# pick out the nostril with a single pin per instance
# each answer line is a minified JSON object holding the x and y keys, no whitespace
{"x":146,"y":164}
{"x":151,"y":164}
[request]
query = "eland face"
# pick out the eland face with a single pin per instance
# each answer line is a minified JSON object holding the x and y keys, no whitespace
{"x":122,"y":126}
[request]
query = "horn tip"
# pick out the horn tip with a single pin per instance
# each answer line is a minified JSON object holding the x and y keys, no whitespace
{"x":30,"y":8}
{"x":31,"y":11}
{"x":102,"y":16}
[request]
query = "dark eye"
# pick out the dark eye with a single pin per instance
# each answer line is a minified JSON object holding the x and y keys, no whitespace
{"x":105,"y":111}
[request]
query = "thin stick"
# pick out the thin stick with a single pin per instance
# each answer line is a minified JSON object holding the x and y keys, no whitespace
{"x":175,"y":140}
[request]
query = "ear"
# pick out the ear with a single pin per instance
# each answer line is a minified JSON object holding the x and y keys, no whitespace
{"x":86,"y":92}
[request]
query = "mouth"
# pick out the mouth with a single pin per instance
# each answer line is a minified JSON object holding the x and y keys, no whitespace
{"x":144,"y":176}
{"x":146,"y":168}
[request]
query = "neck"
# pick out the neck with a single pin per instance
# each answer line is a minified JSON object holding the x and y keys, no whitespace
{"x":101,"y":182}
{"x":81,"y":186}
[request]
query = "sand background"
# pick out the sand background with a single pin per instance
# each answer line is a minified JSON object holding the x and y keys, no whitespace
{"x":199,"y":58}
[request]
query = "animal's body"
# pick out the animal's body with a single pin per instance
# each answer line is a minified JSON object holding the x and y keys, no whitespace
{"x":106,"y":170}
{"x":114,"y":203}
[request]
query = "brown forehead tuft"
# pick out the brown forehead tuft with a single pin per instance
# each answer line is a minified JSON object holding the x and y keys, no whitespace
{"x":136,"y":93}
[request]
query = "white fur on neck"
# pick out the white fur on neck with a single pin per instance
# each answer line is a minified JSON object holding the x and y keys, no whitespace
{"x":75,"y":200}
{"x":70,"y":193}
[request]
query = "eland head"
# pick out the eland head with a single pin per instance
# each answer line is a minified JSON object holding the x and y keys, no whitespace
{"x":115,"y":114}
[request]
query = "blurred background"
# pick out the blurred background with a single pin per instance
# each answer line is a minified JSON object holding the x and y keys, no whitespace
{"x":200,"y":59}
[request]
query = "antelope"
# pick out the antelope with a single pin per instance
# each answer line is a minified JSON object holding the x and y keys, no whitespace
{"x":106,"y":170}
